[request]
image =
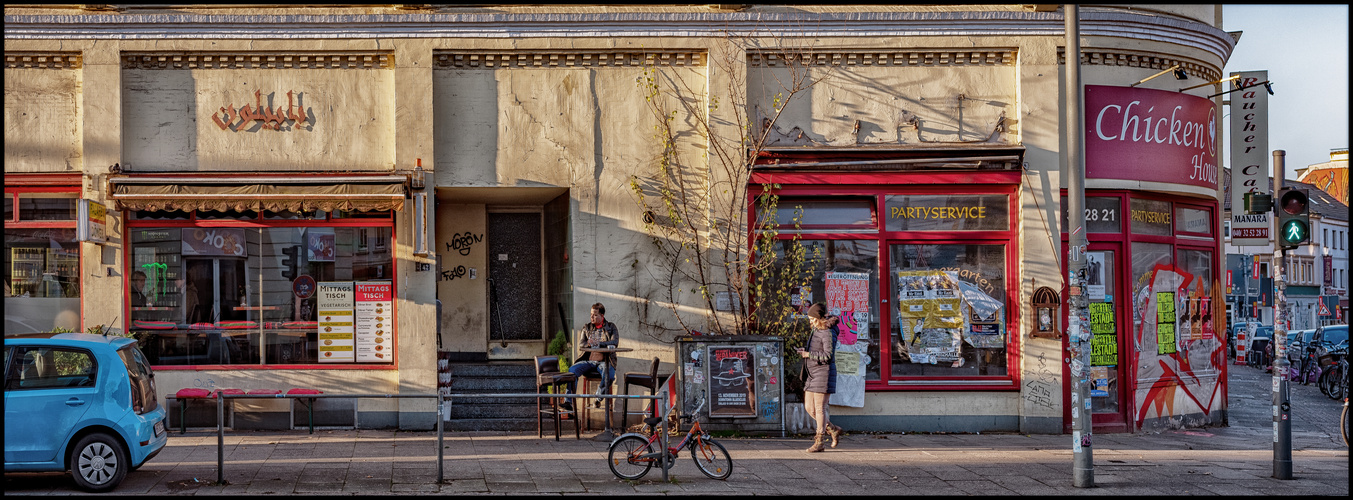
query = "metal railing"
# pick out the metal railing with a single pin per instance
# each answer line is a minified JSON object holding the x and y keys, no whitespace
{"x":441,"y":405}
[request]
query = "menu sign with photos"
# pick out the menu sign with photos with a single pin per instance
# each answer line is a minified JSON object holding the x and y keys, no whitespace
{"x":335,"y":304}
{"x":374,"y":318}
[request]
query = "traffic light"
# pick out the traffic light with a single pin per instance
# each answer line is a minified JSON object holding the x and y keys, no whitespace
{"x":291,"y":264}
{"x":1293,"y":207}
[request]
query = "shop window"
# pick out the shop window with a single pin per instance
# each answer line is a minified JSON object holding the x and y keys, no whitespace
{"x":844,"y":275}
{"x":950,"y":310}
{"x":1151,"y":217}
{"x":295,"y":295}
{"x":41,"y":262}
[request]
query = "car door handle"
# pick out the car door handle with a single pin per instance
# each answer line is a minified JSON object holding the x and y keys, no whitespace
{"x":74,"y":402}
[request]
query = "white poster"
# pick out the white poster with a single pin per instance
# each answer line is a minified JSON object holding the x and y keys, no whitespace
{"x":1094,"y":276}
{"x":374,"y":319}
{"x":335,"y":304}
{"x":852,"y":348}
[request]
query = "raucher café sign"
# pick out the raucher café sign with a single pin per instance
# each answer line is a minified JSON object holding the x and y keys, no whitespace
{"x":1150,"y":135}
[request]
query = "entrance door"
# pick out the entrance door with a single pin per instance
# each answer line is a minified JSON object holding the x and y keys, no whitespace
{"x":515,"y":277}
{"x":1109,"y":360}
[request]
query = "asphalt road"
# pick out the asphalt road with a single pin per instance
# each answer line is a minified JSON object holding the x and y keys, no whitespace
{"x":1251,"y":404}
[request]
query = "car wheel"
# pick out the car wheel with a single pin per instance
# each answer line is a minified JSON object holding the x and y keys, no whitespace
{"x":99,"y":463}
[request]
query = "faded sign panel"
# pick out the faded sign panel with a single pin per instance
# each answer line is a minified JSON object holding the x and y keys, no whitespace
{"x":41,"y":125}
{"x":258,"y":119}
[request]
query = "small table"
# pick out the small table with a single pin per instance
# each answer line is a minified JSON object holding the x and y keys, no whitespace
{"x":607,"y":434}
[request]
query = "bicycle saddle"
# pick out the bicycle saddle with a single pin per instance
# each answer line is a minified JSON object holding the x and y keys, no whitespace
{"x":652,"y":421}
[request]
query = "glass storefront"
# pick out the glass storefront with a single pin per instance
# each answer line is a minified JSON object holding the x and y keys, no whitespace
{"x":918,"y":312}
{"x":41,"y":262}
{"x":234,"y":288}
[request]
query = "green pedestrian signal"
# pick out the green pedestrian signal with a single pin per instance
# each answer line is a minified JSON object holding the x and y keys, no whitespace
{"x":1294,"y":217}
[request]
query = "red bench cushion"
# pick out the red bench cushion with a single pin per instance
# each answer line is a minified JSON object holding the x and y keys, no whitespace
{"x":304,"y":391}
{"x":263,"y":392}
{"x":227,"y":391}
{"x":192,"y":393}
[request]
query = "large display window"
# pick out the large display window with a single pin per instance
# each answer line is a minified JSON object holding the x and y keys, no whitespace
{"x":922,"y":280}
{"x":269,"y":289}
{"x":41,"y":260}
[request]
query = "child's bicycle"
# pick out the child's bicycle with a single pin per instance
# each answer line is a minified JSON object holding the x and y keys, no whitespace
{"x":632,"y":454}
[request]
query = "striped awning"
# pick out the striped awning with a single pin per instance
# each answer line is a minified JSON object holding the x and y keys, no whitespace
{"x":299,"y":193}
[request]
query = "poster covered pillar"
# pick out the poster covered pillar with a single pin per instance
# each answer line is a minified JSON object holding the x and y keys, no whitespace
{"x":732,"y":382}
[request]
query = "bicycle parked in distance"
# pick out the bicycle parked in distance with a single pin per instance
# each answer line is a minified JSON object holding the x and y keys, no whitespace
{"x":1343,"y":422}
{"x":632,"y":454}
{"x":1334,"y":372}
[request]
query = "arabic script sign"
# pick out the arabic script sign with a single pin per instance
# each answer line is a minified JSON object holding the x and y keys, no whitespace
{"x":294,"y":112}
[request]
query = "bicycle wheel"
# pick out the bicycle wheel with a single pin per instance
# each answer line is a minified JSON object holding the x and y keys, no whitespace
{"x":1326,"y":381}
{"x":1343,"y":423}
{"x":711,"y":458}
{"x":624,"y":457}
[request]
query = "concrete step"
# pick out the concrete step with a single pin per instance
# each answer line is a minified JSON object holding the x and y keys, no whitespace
{"x":508,"y":424}
{"x":468,"y":410}
{"x":500,"y":385}
{"x":492,"y":369}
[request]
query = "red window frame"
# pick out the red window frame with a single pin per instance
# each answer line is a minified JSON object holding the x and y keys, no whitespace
{"x":43,"y":184}
{"x":259,"y":221}
{"x":879,"y":185}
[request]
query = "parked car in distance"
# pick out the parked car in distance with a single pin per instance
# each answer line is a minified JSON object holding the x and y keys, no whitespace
{"x":80,"y":402}
{"x":1297,"y":343}
{"x":1331,"y":335}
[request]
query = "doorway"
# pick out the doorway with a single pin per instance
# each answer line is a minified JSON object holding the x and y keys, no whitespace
{"x":1109,"y":360}
{"x":515,"y":278}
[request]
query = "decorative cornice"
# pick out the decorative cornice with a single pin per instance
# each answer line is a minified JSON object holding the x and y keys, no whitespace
{"x":43,"y":60}
{"x":1101,"y":22}
{"x":451,"y":59}
{"x":924,"y":57}
{"x":255,"y":60}
{"x":1148,"y":60}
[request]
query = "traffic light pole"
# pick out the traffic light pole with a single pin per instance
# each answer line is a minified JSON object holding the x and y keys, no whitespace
{"x":1078,"y":317}
{"x":1282,"y":403}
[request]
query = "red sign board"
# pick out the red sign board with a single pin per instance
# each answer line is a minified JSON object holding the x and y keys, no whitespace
{"x":1150,"y":135}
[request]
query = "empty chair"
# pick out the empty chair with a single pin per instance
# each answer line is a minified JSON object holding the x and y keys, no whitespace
{"x":649,"y":380}
{"x":548,"y":376}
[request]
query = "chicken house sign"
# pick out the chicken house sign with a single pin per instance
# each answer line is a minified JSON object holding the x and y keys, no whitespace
{"x":237,"y":119}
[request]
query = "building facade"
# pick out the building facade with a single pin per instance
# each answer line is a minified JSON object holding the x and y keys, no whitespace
{"x":290,"y":192}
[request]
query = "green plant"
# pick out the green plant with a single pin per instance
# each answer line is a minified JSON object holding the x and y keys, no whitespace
{"x":695,"y":201}
{"x":558,"y":346}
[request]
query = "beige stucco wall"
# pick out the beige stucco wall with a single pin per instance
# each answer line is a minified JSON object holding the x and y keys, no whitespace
{"x":168,"y":125}
{"x":581,"y":129}
{"x":46,"y":100}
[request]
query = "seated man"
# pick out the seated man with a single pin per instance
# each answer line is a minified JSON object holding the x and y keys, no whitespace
{"x":596,"y":333}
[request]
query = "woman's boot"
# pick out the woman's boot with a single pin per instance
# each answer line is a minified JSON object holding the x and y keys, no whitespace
{"x":817,"y":444}
{"x":835,"y":432}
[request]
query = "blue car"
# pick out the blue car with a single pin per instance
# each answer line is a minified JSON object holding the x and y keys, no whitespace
{"x":80,"y":402}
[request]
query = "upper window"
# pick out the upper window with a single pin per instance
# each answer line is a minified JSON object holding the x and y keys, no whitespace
{"x":1194,"y":220}
{"x":824,"y":214}
{"x":46,"y":206}
{"x":964,"y":212}
{"x":1152,"y":217}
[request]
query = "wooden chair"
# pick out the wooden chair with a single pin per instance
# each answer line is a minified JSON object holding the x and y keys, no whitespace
{"x":548,"y":376}
{"x":649,"y":380}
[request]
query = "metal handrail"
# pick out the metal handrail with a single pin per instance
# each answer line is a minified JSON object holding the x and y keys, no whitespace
{"x":441,"y":404}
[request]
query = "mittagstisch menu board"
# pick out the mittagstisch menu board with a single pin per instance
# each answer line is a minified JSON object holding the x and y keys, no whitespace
{"x":373,"y":319}
{"x":335,"y":305}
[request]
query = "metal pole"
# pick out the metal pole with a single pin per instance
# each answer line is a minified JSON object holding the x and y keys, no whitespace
{"x":1282,"y":403}
{"x":441,"y":453}
{"x":662,"y":460}
{"x":1078,"y":318}
{"x":220,"y":438}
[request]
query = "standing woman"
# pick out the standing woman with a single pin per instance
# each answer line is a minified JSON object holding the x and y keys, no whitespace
{"x":817,"y":362}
